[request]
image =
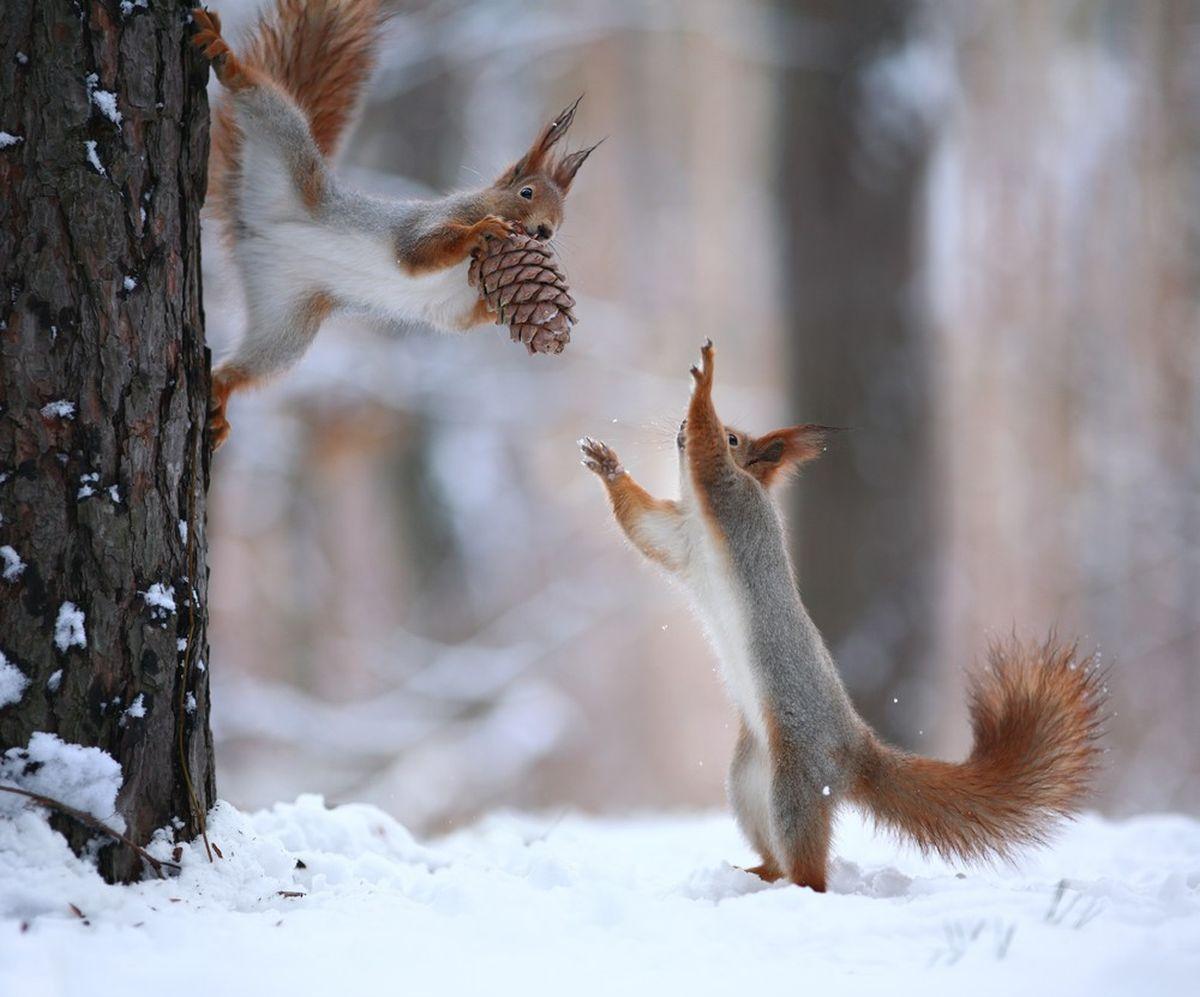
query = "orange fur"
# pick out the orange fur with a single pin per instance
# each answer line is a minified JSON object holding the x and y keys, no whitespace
{"x":318,"y":52}
{"x":1035,"y":711}
{"x":772,"y":456}
{"x":454,"y":242}
{"x":630,"y":502}
{"x":707,"y":451}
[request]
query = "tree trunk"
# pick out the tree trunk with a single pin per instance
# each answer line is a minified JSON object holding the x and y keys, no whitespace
{"x":852,"y":163}
{"x":103,"y":392}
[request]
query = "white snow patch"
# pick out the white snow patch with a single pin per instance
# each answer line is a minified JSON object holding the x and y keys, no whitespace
{"x":7,"y":139}
{"x":54,"y":682}
{"x":13,"y":682}
{"x":93,"y":157}
{"x":135,"y":711}
{"x":87,"y":485}
{"x":87,"y":779}
{"x":308,"y":900}
{"x":160,"y":597}
{"x":114,"y":493}
{"x":61,"y":409}
{"x":129,"y":283}
{"x":22,"y":59}
{"x":68,"y":628}
{"x":189,"y":703}
{"x":13,"y":565}
{"x":128,"y":7}
{"x":183,"y":531}
{"x":103,"y":99}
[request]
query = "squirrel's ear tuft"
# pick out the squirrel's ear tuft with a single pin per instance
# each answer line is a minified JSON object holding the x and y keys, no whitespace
{"x":786,"y":448}
{"x":565,"y":169}
{"x":536,"y":158}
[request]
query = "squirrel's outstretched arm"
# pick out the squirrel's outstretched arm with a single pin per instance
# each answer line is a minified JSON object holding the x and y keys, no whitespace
{"x":714,"y":473}
{"x":654,"y":526}
{"x":449,"y":243}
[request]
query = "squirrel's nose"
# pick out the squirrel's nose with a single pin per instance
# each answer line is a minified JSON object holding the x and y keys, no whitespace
{"x":544,"y":232}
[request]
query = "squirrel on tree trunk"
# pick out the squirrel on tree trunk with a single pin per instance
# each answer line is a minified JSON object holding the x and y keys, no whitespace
{"x":303,"y":244}
{"x":803,"y":749}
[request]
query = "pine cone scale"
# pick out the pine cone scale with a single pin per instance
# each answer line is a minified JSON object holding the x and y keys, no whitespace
{"x":521,"y":281}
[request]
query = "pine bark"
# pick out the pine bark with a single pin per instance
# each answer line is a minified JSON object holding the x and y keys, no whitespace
{"x":103,"y":393}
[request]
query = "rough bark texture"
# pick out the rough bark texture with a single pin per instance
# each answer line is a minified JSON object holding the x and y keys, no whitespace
{"x":103,"y":392}
{"x":852,"y":177}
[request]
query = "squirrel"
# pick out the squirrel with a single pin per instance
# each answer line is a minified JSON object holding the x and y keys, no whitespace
{"x":802,"y":748}
{"x":303,"y":243}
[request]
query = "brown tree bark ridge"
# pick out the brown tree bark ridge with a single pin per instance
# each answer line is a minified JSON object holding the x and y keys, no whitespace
{"x":103,"y":394}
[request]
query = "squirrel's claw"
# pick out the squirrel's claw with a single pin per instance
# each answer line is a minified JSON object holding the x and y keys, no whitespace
{"x":702,"y":373}
{"x":600,"y":458}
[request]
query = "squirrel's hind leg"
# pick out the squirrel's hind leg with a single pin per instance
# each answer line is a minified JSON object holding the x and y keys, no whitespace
{"x":272,"y":343}
{"x":803,"y":825}
{"x":750,"y":797}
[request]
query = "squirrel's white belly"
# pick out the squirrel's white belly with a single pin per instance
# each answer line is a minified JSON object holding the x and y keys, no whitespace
{"x":359,"y":270}
{"x":718,"y":599}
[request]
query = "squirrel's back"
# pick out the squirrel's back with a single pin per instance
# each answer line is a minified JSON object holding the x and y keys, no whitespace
{"x":320,"y":53}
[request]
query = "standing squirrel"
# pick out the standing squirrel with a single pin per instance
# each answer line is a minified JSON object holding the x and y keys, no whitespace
{"x":304,"y":244}
{"x":803,"y":749}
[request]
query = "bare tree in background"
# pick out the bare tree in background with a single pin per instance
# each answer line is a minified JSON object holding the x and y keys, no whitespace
{"x":851,"y":179}
{"x":103,"y":394}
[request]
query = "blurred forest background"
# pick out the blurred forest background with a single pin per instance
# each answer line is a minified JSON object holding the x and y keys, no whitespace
{"x":969,"y":231}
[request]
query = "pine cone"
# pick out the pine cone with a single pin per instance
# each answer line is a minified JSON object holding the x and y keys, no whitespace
{"x":520,"y":279}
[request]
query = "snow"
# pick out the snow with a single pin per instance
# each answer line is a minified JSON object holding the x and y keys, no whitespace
{"x":7,"y":139}
{"x":68,"y":627}
{"x":87,"y":484}
{"x":103,"y":99}
{"x":129,"y":283}
{"x":13,"y":565}
{"x":13,"y":682}
{"x":160,"y":597}
{"x":93,"y":157}
{"x":309,"y":900}
{"x":61,"y":409}
{"x":54,"y":682}
{"x":135,"y":711}
{"x":87,"y":779}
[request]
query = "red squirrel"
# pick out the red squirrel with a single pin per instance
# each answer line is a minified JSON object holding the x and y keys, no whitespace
{"x":303,"y":243}
{"x":803,"y":749}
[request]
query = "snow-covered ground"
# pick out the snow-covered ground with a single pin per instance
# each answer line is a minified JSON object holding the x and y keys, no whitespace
{"x":309,"y":900}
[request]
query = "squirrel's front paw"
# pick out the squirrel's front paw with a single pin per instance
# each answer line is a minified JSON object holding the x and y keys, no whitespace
{"x":702,"y":374}
{"x":494,"y":227}
{"x":600,"y":458}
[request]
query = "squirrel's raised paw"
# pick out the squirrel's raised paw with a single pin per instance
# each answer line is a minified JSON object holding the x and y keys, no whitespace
{"x":600,"y":458}
{"x":702,"y":373}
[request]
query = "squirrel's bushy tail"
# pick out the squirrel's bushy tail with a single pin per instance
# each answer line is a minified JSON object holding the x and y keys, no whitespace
{"x":1035,"y":712}
{"x":321,"y":54}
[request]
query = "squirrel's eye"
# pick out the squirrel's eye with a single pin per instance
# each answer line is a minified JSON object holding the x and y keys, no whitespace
{"x":733,"y":440}
{"x":527,"y":193}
